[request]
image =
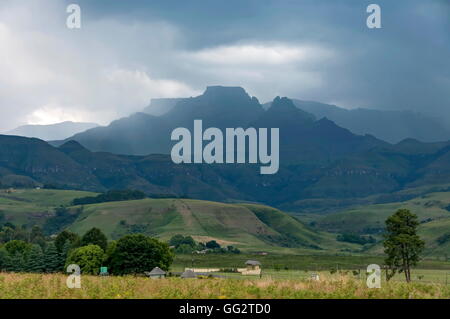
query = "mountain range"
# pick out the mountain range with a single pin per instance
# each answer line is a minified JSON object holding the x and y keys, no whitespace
{"x":392,"y":126}
{"x":322,"y":165}
{"x":50,"y":132}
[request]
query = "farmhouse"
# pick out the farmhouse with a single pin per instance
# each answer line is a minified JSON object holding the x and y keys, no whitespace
{"x":253,"y":264}
{"x":156,"y":273}
{"x":253,"y":268}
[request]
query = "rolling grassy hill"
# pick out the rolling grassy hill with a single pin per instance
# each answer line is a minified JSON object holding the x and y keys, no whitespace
{"x":247,"y":226}
{"x":250,"y":227}
{"x":433,"y":211}
{"x":34,"y":206}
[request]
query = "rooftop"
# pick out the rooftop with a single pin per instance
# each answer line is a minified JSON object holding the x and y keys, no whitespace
{"x":253,"y":262}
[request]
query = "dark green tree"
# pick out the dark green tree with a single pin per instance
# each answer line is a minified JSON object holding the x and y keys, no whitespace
{"x":4,"y":259}
{"x":178,"y":240}
{"x":402,"y":244}
{"x":52,"y":258}
{"x":35,"y":262}
{"x":89,"y":258}
{"x":66,"y":236}
{"x":110,"y":252}
{"x":94,"y":236}
{"x":64,"y":254}
{"x":136,"y":253}
{"x":6,"y":234}
{"x":16,"y":262}
{"x":212,"y":244}
{"x":2,"y":218}
{"x":14,"y":247}
{"x":37,"y":236}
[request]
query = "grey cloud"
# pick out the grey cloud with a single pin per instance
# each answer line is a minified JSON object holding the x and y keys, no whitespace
{"x":129,"y":52}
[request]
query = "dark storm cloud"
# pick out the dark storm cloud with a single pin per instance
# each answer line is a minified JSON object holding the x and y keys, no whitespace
{"x":317,"y":50}
{"x":404,"y":65}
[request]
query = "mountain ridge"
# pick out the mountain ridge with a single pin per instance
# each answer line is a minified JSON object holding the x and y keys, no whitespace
{"x":49,"y":132}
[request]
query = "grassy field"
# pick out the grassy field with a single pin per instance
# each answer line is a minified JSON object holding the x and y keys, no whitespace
{"x":294,"y":262}
{"x":249,"y":227}
{"x":433,"y":211}
{"x":33,"y":206}
{"x":53,"y":286}
{"x":428,"y":207}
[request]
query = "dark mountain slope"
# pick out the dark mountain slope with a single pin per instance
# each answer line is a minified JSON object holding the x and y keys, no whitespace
{"x":391,"y":126}
{"x":138,"y":134}
{"x":36,"y":159}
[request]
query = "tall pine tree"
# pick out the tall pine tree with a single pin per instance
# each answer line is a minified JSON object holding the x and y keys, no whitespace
{"x":52,"y":258}
{"x":35,"y":260}
{"x":64,"y":254}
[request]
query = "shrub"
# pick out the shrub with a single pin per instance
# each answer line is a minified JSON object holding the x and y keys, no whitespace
{"x":136,"y":253}
{"x":89,"y":258}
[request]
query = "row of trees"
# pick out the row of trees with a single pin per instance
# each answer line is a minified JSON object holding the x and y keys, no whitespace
{"x":131,"y":254}
{"x":187,"y":245}
{"x":110,"y":196}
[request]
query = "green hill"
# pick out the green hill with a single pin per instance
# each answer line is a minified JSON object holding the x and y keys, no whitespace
{"x":34,"y":206}
{"x":250,"y":227}
{"x":432,"y":209}
{"x":247,"y":226}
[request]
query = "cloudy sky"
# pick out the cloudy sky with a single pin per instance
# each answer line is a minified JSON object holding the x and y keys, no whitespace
{"x":128,"y":52}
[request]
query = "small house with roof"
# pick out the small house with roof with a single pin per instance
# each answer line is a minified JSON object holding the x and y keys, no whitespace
{"x":253,"y":267}
{"x":156,"y":273}
{"x":253,"y":264}
{"x":188,"y":274}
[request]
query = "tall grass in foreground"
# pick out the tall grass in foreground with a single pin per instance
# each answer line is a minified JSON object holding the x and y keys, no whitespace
{"x":53,"y":286}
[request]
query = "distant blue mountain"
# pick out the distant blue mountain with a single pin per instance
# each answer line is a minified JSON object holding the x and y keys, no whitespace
{"x":49,"y":132}
{"x":390,"y":126}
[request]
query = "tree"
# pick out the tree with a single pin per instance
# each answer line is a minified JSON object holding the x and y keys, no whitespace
{"x":52,"y":258}
{"x":178,"y":240}
{"x":184,"y":249}
{"x":110,"y":252}
{"x":66,"y":236}
{"x":6,"y":234}
{"x":89,"y":258}
{"x":14,"y":247}
{"x":95,"y":236}
{"x":402,"y":244}
{"x":64,"y":254}
{"x":16,"y":262}
{"x":233,"y":250}
{"x":37,"y":236}
{"x":4,"y":259}
{"x":212,"y":244}
{"x":35,"y":260}
{"x":2,"y":218}
{"x":136,"y":253}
